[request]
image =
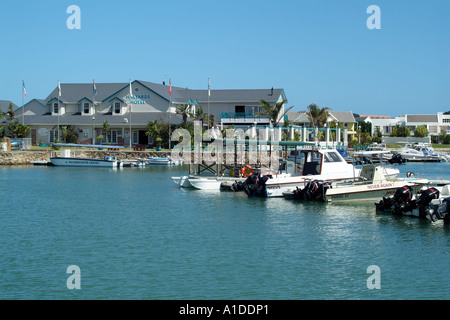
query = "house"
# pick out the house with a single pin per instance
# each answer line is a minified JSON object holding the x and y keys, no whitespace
{"x":4,"y":106}
{"x":128,"y":107}
{"x":435,"y":123}
{"x":344,"y":119}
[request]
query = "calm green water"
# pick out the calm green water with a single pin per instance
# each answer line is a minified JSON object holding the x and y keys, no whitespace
{"x":135,"y":235}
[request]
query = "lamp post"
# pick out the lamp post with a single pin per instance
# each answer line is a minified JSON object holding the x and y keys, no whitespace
{"x":93,"y":130}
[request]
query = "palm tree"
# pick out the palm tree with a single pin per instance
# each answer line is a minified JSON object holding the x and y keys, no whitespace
{"x":273,"y":112}
{"x":199,"y":115}
{"x":318,"y":116}
{"x":184,"y":111}
{"x":154,"y":131}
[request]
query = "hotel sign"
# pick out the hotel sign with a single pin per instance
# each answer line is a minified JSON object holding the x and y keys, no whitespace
{"x":137,"y":99}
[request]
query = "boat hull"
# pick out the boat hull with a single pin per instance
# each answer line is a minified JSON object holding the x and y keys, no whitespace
{"x":371,"y":192}
{"x":83,"y":162}
{"x":210,"y":183}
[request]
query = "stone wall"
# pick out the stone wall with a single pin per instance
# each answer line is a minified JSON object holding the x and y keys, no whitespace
{"x":25,"y":157}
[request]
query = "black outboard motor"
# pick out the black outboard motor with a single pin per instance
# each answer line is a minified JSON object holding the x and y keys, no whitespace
{"x":397,"y":158}
{"x":256,"y":185}
{"x":424,"y":200}
{"x":443,"y":212}
{"x":403,"y":201}
{"x":313,"y":191}
{"x":240,"y":185}
{"x":400,"y":202}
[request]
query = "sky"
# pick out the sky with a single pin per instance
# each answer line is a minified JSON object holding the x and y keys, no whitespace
{"x":318,"y":51}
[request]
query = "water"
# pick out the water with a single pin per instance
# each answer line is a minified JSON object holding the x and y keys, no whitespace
{"x":135,"y":235}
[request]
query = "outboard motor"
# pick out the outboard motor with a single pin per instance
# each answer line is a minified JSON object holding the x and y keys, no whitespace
{"x":240,"y":185}
{"x":424,"y":201}
{"x":403,"y":200}
{"x":441,"y":213}
{"x":397,"y":158}
{"x":313,"y":191}
{"x":400,"y":202}
{"x":256,"y":185}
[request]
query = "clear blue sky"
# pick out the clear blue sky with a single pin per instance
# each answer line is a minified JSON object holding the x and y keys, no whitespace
{"x":319,"y":51}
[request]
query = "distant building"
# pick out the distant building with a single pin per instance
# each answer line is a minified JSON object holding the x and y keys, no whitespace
{"x":435,"y":123}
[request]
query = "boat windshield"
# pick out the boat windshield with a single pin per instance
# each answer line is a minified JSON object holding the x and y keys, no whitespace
{"x":332,"y":157}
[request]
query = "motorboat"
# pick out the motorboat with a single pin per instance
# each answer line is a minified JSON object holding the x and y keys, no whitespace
{"x":108,"y":161}
{"x":168,"y":161}
{"x":372,"y":184}
{"x":432,"y":203}
{"x":66,"y":160}
{"x":319,"y":164}
{"x":419,"y":153}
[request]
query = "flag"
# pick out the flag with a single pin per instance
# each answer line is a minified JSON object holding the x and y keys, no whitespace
{"x":95,"y":88}
{"x":24,"y":91}
{"x":209,"y":89}
{"x":59,"y":89}
{"x":131,"y":91}
{"x":170,"y":87}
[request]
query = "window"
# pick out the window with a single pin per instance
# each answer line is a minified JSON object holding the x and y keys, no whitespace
{"x":446,"y":120}
{"x":56,"y":107}
{"x":86,"y":107}
{"x":332,"y":157}
{"x":53,"y":135}
{"x":135,"y":137}
{"x":117,"y":107}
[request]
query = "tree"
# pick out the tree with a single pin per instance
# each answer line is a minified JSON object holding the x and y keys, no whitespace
{"x":199,"y":115}
{"x":421,"y":132}
{"x":10,"y":114}
{"x":184,"y":111}
{"x":106,"y":129}
{"x":400,"y":131}
{"x":273,"y":113}
{"x":154,"y":131}
{"x":318,"y":116}
{"x":22,"y":131}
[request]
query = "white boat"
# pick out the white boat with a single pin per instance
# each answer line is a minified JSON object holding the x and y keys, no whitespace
{"x":372,"y":184}
{"x":66,"y":160}
{"x":419,"y":153}
{"x":164,"y":161}
{"x":109,"y":162}
{"x":319,"y":164}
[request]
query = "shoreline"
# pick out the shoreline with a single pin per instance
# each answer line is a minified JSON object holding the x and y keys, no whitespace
{"x":25,"y":158}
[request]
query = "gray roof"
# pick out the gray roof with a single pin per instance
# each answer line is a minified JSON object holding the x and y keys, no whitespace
{"x":74,"y":92}
{"x":343,"y":116}
{"x":421,"y":118}
{"x":4,"y":106}
{"x":137,"y":119}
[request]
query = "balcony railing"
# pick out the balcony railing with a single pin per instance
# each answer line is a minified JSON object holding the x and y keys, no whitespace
{"x":246,"y":116}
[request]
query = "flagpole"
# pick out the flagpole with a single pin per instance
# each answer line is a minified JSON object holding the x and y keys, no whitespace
{"x":131,"y":92}
{"x":209,"y":93}
{"x":23,"y":115}
{"x":59,"y":106}
{"x":94,"y":91}
{"x":170,"y":106}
